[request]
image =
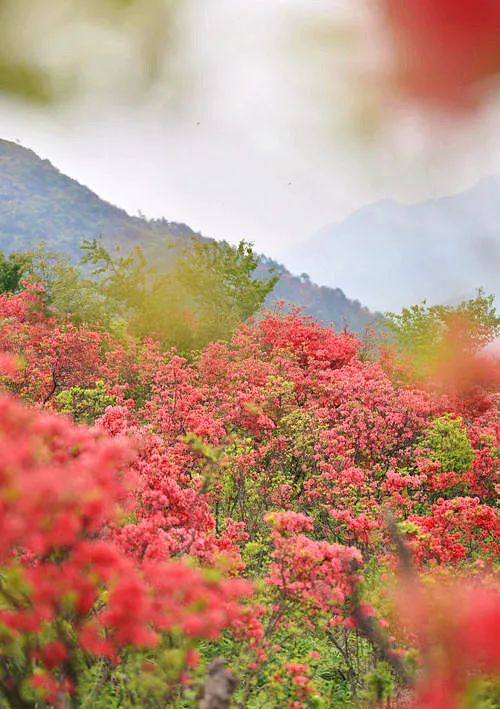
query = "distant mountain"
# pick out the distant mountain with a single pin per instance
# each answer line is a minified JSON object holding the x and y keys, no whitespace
{"x":38,"y":203}
{"x":392,"y":255}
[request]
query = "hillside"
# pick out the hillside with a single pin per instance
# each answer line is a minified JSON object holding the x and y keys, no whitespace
{"x":392,"y":255}
{"x":40,"y":203}
{"x":37,"y":202}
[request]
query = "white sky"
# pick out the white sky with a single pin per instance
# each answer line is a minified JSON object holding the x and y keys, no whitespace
{"x":264,"y":134}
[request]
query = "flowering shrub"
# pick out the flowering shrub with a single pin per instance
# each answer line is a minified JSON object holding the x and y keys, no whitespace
{"x":68,"y":592}
{"x":316,"y":573}
{"x":269,"y":462}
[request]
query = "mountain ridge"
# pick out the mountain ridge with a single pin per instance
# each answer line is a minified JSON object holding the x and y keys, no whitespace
{"x":40,"y":203}
{"x":394,"y":254}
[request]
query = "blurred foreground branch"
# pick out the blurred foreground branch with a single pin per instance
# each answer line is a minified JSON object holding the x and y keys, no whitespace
{"x":219,"y":686}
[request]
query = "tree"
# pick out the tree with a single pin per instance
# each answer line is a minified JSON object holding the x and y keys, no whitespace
{"x":208,"y":289}
{"x":219,"y":281}
{"x":426,"y":336}
{"x":12,"y":270}
{"x":66,"y":289}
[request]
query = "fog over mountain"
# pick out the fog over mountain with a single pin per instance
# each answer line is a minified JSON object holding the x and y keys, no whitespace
{"x":390,"y":254}
{"x":385,"y":255}
{"x":40,"y":203}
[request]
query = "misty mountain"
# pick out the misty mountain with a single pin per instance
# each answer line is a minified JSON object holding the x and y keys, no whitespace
{"x":393,"y":255}
{"x":39,"y":203}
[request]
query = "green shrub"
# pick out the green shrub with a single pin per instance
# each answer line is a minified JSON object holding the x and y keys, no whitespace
{"x":448,"y":444}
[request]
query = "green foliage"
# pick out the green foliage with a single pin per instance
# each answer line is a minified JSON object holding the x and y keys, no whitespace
{"x":483,"y":694}
{"x":208,"y":290}
{"x":271,"y":684}
{"x":67,"y":290}
{"x":219,"y":281}
{"x":146,"y":678}
{"x":423,"y":334}
{"x":84,"y":405}
{"x":379,"y":684}
{"x":448,"y":444}
{"x":12,"y":270}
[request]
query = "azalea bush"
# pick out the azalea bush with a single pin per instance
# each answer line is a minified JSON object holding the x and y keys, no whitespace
{"x":71,"y":595}
{"x":282,"y":500}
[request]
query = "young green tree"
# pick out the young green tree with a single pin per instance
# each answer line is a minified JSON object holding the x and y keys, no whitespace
{"x":424,"y":335}
{"x":220,"y":286}
{"x":67,"y":290}
{"x":12,"y":271}
{"x":205,"y":291}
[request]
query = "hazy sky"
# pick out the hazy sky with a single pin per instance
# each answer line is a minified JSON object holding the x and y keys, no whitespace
{"x":269,"y":131}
